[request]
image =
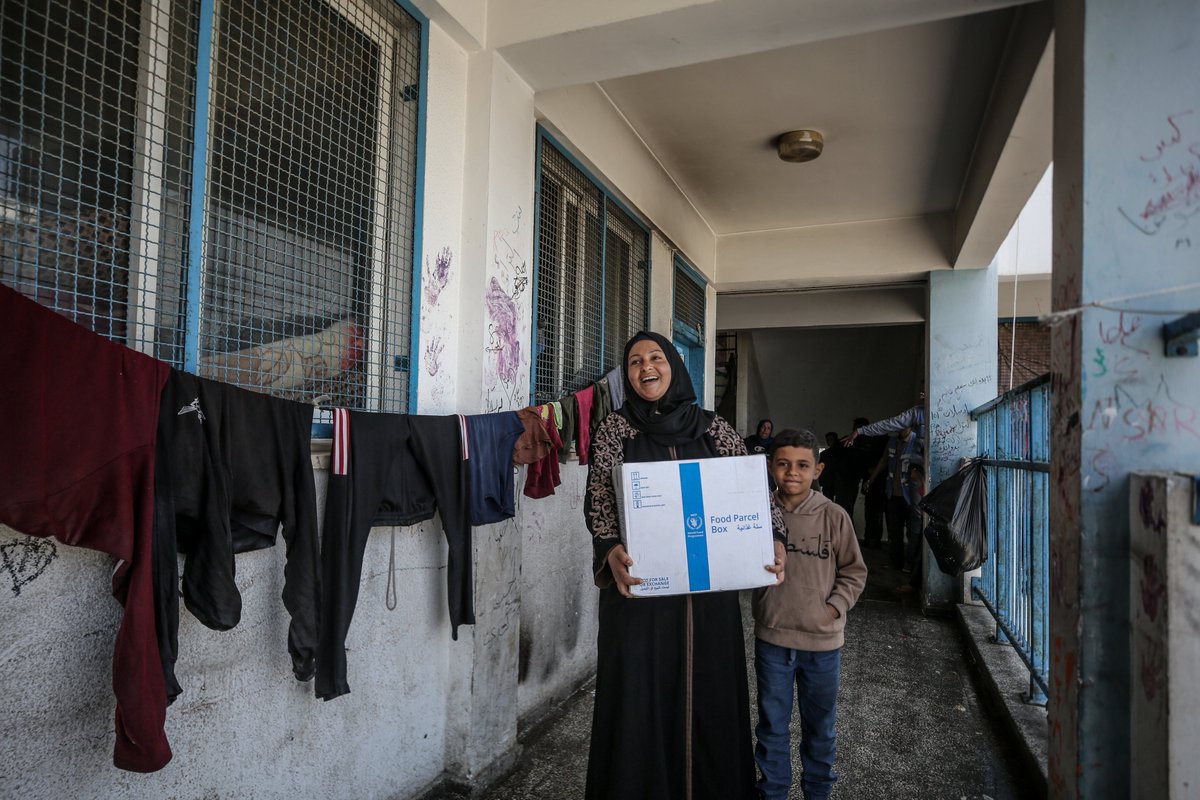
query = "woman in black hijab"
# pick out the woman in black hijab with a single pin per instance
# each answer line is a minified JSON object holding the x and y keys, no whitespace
{"x":672,"y":709}
{"x":760,"y":442}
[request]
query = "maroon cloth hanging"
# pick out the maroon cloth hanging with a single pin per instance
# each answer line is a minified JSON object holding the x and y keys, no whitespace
{"x":77,"y":463}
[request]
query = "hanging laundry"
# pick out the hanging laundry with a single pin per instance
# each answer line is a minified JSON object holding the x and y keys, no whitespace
{"x":77,"y":463}
{"x":543,"y":474}
{"x":602,"y":406}
{"x":388,"y":469}
{"x":616,"y":387}
{"x":556,"y":409}
{"x":534,"y":443}
{"x":490,"y":439}
{"x":234,"y":467}
{"x":568,"y":427}
{"x":583,"y":400}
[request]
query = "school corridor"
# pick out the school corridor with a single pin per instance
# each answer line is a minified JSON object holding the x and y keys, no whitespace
{"x":915,"y":717}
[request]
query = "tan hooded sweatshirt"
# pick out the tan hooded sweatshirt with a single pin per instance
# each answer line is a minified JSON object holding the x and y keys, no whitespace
{"x":824,"y":567}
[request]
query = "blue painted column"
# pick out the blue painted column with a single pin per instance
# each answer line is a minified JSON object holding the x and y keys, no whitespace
{"x":1126,"y":259}
{"x":962,"y":376}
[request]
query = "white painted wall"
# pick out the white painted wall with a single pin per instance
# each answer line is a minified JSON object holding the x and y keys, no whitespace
{"x":439,"y":345}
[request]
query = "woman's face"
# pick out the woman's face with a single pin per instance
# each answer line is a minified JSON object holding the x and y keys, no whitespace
{"x":648,"y":370}
{"x":764,"y":430}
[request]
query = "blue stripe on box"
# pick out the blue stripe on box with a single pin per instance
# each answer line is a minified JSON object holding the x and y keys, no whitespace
{"x":694,"y":527}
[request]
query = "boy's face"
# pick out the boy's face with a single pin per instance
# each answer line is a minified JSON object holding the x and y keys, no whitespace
{"x":794,"y":470}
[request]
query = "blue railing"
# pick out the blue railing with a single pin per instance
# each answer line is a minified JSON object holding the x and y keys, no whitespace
{"x":1013,"y":434}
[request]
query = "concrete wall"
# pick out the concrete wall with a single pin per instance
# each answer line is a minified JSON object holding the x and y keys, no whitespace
{"x":423,"y":707}
{"x":1127,"y":137}
{"x":822,"y":378}
{"x":962,"y":376}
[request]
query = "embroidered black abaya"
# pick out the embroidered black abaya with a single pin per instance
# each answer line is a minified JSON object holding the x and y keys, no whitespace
{"x":672,"y":710}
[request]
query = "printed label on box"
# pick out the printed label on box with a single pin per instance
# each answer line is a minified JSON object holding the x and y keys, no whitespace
{"x":698,"y":525}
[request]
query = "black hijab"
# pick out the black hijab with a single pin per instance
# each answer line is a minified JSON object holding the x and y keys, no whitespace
{"x":673,"y":419}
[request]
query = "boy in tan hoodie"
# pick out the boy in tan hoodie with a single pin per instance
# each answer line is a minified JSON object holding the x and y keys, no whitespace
{"x":799,"y":624}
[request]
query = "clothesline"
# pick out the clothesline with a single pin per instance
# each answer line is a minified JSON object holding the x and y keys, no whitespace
{"x":235,"y":466}
{"x":1058,"y":317}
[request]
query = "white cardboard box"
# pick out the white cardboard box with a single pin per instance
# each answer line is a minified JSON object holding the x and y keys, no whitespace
{"x":702,"y":525}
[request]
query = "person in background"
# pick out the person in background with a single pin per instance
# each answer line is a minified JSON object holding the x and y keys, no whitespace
{"x":910,"y":418}
{"x":672,"y":709}
{"x":831,"y":457}
{"x":892,"y":470}
{"x":799,"y":625}
{"x":914,"y":493}
{"x":868,"y":450}
{"x":760,"y":442}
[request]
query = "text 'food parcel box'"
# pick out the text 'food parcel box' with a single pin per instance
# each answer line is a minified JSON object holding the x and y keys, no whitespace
{"x":696,"y":526}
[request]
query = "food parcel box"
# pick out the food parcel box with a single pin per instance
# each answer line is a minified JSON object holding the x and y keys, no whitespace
{"x":696,"y":526}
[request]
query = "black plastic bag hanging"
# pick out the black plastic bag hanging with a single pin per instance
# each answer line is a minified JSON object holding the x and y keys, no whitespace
{"x":957,"y":527}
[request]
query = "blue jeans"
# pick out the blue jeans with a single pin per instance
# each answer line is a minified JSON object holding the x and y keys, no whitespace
{"x":816,"y":676}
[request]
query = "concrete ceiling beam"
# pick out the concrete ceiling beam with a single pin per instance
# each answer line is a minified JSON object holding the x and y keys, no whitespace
{"x":1015,"y":142}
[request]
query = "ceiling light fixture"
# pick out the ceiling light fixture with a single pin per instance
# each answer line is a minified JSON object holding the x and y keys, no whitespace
{"x":799,"y":146}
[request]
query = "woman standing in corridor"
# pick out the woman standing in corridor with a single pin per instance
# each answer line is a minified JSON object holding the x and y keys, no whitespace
{"x":672,"y":711}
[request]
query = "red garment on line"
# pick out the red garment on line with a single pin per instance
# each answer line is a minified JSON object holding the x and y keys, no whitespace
{"x":543,"y":474}
{"x":77,"y":463}
{"x":584,"y":400}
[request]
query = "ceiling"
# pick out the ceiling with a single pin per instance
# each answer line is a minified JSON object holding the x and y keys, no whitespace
{"x":936,"y":117}
{"x":899,"y":109}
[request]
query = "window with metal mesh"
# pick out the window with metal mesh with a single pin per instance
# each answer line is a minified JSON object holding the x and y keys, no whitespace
{"x":593,"y":273}
{"x":689,"y":302}
{"x":284,"y":263}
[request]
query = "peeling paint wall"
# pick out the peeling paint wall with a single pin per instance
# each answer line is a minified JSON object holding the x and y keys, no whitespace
{"x":1125,"y":239}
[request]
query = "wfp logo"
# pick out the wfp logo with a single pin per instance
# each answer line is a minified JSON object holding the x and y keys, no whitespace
{"x":694,"y":522}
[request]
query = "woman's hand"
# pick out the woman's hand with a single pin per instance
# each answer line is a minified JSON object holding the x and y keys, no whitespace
{"x":620,"y":562}
{"x":780,"y":563}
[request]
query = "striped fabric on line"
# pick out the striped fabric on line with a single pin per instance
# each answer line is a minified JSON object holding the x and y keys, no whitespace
{"x":462,"y":433}
{"x":341,"y":441}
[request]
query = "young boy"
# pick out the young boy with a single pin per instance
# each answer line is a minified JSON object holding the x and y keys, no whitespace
{"x":799,"y":624}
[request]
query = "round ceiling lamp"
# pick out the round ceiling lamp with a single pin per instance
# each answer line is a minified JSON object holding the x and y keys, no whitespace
{"x":799,"y":146}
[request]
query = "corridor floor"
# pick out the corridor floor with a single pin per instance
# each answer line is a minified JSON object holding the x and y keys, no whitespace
{"x":911,"y":723}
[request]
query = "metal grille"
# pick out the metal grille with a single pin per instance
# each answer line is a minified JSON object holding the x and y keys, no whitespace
{"x":626,"y":269}
{"x":301,"y":281}
{"x":592,"y":279}
{"x":93,"y":171}
{"x":689,"y":302}
{"x":308,"y":235}
{"x":1014,"y":582}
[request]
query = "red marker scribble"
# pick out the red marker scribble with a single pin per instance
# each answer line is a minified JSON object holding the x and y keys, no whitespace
{"x":1175,"y":138}
{"x":1152,"y":587}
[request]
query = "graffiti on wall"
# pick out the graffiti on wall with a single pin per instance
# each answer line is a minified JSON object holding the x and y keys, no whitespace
{"x":24,"y":560}
{"x":508,"y":279}
{"x":1168,"y":198}
{"x":434,"y":280}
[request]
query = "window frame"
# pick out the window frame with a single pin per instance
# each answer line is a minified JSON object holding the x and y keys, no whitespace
{"x":195,"y":274}
{"x":604,"y":195}
{"x":679,"y":331}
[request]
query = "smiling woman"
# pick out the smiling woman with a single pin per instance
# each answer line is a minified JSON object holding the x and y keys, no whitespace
{"x":648,"y":369}
{"x":672,"y":714}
